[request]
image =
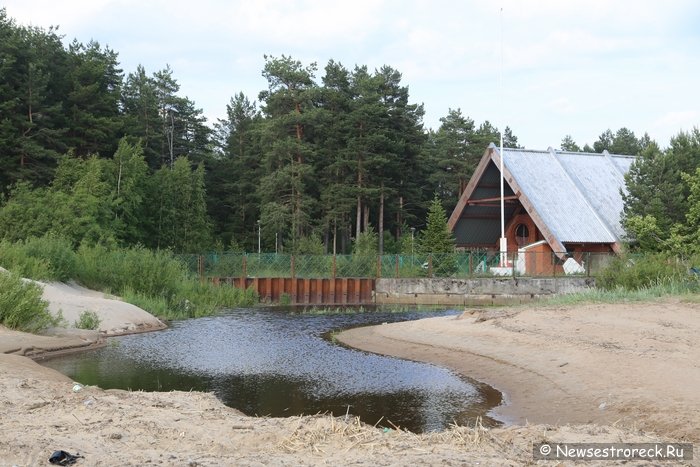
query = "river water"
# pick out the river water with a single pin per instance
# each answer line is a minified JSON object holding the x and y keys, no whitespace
{"x":276,"y":363}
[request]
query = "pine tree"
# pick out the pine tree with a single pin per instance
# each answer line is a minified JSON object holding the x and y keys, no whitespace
{"x":92,"y":104}
{"x":568,"y":144}
{"x":657,"y":195}
{"x":453,"y":157}
{"x":286,"y":192}
{"x":233,"y":175}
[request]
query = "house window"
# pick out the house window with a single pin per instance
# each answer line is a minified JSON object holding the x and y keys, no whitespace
{"x":522,"y":235}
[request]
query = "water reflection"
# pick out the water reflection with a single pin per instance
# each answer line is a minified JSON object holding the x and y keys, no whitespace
{"x":266,"y":362}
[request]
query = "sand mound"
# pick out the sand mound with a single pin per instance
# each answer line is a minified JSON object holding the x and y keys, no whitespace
{"x":116,"y":317}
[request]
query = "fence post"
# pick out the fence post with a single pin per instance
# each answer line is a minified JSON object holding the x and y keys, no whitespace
{"x":334,"y":267}
{"x":200,"y":268}
{"x":588,"y":264}
{"x":379,"y":266}
{"x":396,"y":259}
{"x":430,"y":265}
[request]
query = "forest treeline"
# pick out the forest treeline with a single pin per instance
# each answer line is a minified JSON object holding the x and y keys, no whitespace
{"x":320,"y":157}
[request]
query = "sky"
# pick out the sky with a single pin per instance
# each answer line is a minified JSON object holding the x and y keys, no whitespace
{"x":545,"y":68}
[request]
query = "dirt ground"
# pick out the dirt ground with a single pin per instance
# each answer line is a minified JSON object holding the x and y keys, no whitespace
{"x":595,"y":373}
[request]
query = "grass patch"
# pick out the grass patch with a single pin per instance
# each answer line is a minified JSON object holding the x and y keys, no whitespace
{"x":686,"y":290}
{"x":156,"y":306}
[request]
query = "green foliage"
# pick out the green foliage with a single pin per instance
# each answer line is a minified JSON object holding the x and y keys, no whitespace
{"x":88,"y":320}
{"x":568,"y":144}
{"x":179,"y":218}
{"x":659,"y":203}
{"x":153,"y":273}
{"x":437,"y":240}
{"x":21,"y":305}
{"x":285,"y":299}
{"x":311,"y":245}
{"x":46,"y":258}
{"x":645,"y":232}
{"x":639,"y":272}
{"x":195,"y":298}
{"x":687,"y":235}
{"x":366,"y":243}
{"x":686,"y":289}
{"x":454,"y":155}
{"x":28,"y":212}
{"x":156,"y":281}
{"x":13,"y":258}
{"x":157,"y":306}
{"x":363,"y":262}
{"x":623,"y":141}
{"x":57,"y":252}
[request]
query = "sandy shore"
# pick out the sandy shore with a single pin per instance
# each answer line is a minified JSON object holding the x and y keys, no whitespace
{"x":546,"y":362}
{"x":634,"y":365}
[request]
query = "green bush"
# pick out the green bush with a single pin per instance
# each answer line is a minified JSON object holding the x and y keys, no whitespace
{"x":57,"y":251}
{"x":639,"y":272}
{"x":88,"y":320}
{"x":21,"y":305}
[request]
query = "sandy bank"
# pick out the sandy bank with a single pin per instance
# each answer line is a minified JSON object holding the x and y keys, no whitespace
{"x":636,"y":365}
{"x":116,"y":317}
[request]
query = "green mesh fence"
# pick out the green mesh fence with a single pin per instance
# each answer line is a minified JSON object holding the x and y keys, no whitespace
{"x":456,"y":265}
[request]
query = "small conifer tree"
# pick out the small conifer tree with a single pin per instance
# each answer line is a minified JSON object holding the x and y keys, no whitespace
{"x":438,"y":241}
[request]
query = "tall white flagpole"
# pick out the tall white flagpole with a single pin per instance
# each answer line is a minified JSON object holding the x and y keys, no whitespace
{"x":503,"y":240}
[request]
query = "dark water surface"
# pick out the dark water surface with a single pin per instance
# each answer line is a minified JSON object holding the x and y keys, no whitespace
{"x":273,"y":363}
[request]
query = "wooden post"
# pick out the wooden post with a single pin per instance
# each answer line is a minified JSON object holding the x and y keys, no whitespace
{"x":588,"y":264}
{"x":334,"y":268}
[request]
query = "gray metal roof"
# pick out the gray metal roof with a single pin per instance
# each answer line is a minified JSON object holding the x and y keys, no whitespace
{"x":577,"y":195}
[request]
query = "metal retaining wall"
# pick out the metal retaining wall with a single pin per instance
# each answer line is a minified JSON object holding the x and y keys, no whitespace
{"x":306,"y":291}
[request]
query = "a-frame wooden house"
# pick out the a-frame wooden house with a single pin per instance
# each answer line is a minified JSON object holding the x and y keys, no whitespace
{"x":555,"y":202}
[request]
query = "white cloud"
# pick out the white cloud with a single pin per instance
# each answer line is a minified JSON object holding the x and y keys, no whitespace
{"x":570,"y":67}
